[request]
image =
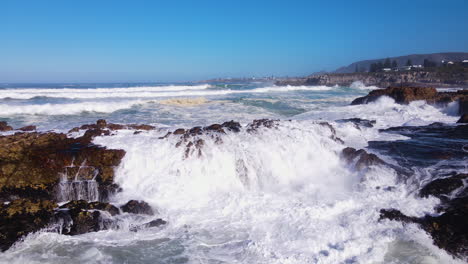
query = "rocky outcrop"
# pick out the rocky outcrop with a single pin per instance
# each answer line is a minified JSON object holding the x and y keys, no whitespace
{"x":137,"y":207}
{"x":34,"y":167}
{"x":441,"y":188}
{"x":401,"y":95}
{"x":32,"y":164}
{"x":405,"y":95}
{"x":21,"y":217}
{"x":382,"y":79}
{"x":448,"y":230}
{"x":360,"y":159}
{"x":103,"y":128}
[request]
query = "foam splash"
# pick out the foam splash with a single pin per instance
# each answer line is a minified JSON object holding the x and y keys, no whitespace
{"x":144,"y":92}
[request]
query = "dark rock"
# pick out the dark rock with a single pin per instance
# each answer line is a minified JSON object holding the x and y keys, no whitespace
{"x":463,"y":119}
{"x":393,"y":214}
{"x":448,"y":230}
{"x":232,"y":126}
{"x":215,"y":128}
{"x":21,"y":217}
{"x":101,"y":123}
{"x":195,"y":130}
{"x":4,"y":126}
{"x":402,"y":95}
{"x":27,"y":128}
{"x":256,"y":124}
{"x":443,"y":187}
{"x":358,"y":122}
{"x":154,"y":223}
{"x":35,"y":161}
{"x":179,"y":131}
{"x":141,"y":127}
{"x":137,"y":207}
{"x":360,"y":158}
{"x":80,"y":205}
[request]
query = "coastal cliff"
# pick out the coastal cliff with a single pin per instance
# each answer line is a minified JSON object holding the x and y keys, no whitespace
{"x":383,"y":79}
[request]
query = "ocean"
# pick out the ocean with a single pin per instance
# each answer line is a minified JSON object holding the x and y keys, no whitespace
{"x":273,"y":195}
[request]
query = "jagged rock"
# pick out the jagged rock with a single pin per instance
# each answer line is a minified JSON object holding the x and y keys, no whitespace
{"x":333,"y":131}
{"x":402,"y":95}
{"x":28,"y":128}
{"x":137,"y":207}
{"x":405,"y":95}
{"x":103,"y":128}
{"x":232,"y":126}
{"x":79,"y":217}
{"x":34,"y":162}
{"x":360,"y":158}
{"x":21,"y":217}
{"x":358,"y":122}
{"x":463,"y":119}
{"x":256,"y":124}
{"x":443,"y":187}
{"x":4,"y":126}
{"x":80,"y":205}
{"x":154,"y":223}
{"x":448,"y":230}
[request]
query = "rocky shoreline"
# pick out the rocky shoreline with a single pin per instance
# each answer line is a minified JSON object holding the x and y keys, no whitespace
{"x":46,"y":179}
{"x":381,"y":79}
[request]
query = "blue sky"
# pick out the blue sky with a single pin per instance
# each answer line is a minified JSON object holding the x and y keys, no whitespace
{"x":134,"y":41}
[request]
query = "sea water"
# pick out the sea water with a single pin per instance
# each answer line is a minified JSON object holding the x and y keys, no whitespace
{"x":274,"y":195}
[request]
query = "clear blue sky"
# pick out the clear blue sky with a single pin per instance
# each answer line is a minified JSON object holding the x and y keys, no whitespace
{"x":101,"y":41}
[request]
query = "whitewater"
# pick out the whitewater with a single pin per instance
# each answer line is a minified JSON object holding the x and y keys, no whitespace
{"x":271,"y":195}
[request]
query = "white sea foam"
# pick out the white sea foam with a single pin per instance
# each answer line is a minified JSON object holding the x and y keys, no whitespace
{"x":144,"y":92}
{"x":66,"y":108}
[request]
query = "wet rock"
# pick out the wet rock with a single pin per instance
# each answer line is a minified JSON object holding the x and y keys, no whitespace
{"x":448,"y":230}
{"x":443,"y":187}
{"x":358,"y":122}
{"x":80,"y":217}
{"x":101,"y":123}
{"x":81,"y":205}
{"x":232,"y":126}
{"x":141,"y":127}
{"x":463,"y":119}
{"x":393,"y":214}
{"x":36,"y":161}
{"x":27,"y":128}
{"x":405,"y":95}
{"x":402,"y":95}
{"x":426,"y":144}
{"x":333,"y":131}
{"x":137,"y":207}
{"x":5,"y":127}
{"x":256,"y":124}
{"x":21,"y":217}
{"x":179,"y":131}
{"x":360,"y":158}
{"x":154,"y":223}
{"x":215,"y":128}
{"x":103,"y":128}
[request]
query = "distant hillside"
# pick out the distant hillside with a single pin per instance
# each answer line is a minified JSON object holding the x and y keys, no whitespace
{"x":415,"y":59}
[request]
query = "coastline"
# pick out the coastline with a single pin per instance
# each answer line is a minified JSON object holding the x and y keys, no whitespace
{"x":37,"y":200}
